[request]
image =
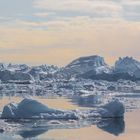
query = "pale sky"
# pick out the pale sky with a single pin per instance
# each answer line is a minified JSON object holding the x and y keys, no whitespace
{"x":58,"y":31}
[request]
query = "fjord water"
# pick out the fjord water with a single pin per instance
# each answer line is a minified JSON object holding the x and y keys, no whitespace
{"x":112,"y":129}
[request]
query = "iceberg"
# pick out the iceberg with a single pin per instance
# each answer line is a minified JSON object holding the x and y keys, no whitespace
{"x":32,"y":109}
{"x":113,"y":109}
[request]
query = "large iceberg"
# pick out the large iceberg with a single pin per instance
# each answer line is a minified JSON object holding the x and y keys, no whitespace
{"x":29,"y":108}
{"x":82,"y":65}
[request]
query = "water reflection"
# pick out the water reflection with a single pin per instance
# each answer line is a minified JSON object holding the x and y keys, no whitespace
{"x":114,"y":126}
{"x":34,"y":132}
{"x":32,"y":129}
{"x":87,"y":101}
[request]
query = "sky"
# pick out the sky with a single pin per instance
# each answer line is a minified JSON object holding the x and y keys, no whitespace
{"x":57,"y":31}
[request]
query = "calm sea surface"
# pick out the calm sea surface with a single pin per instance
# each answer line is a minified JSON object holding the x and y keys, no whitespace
{"x":122,"y":129}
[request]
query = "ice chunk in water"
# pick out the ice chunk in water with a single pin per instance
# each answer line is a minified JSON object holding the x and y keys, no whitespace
{"x":29,"y":108}
{"x":113,"y":109}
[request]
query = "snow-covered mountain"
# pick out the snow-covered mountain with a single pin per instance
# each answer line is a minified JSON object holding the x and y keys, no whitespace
{"x":94,"y":64}
{"x":128,"y":65}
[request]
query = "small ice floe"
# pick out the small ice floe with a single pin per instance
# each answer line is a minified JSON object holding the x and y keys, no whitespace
{"x":32,"y":109}
{"x":86,"y":93}
{"x":5,"y":127}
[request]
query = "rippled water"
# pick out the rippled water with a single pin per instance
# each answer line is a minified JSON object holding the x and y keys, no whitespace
{"x":93,"y":129}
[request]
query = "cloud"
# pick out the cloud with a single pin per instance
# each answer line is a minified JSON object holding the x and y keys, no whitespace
{"x":44,"y":14}
{"x":61,"y":24}
{"x":41,"y":11}
{"x":57,"y":31}
{"x":78,"y":37}
{"x":131,"y":10}
{"x":127,"y":9}
{"x":96,"y":8}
